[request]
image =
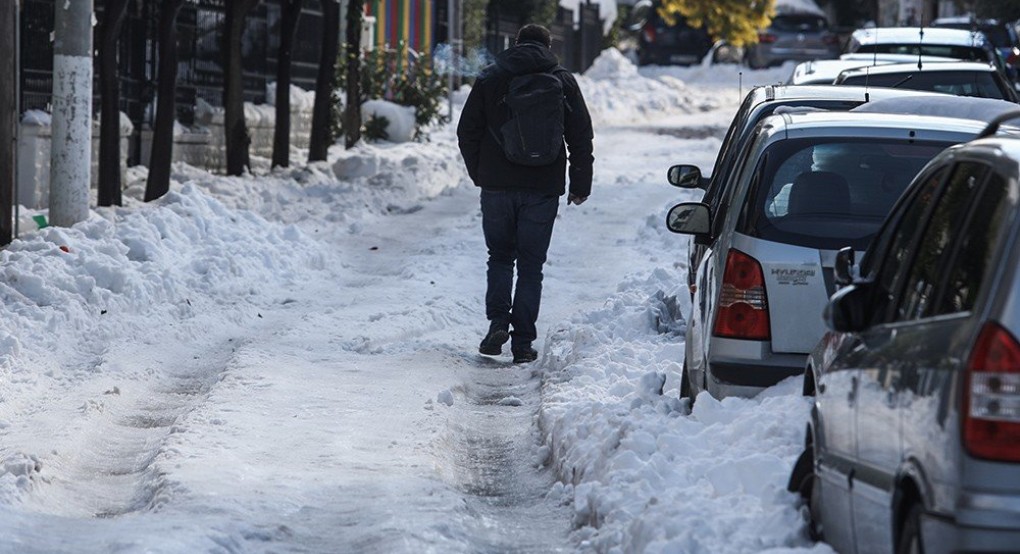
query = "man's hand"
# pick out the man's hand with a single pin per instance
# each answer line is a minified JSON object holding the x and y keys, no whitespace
{"x":575,"y":199}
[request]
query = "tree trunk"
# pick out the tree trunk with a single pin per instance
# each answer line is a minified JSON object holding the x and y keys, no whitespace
{"x":281,"y":133}
{"x":71,"y":135}
{"x":109,"y":114}
{"x":321,"y":137}
{"x":161,"y":157}
{"x":234,"y":128}
{"x":352,"y":111}
{"x":8,"y":118}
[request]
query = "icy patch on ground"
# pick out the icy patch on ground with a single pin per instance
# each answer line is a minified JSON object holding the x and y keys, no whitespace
{"x":643,"y":475}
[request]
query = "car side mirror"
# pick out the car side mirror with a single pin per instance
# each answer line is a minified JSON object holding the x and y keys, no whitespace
{"x":689,"y":218}
{"x":847,"y":310}
{"x":844,"y":266}
{"x":685,"y":176}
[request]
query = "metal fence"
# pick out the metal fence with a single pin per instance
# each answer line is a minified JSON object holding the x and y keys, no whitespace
{"x":576,"y":40}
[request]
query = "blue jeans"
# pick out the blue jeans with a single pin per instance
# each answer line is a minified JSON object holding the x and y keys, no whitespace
{"x":518,"y":227}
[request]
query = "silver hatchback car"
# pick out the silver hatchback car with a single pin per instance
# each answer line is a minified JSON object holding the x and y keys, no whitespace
{"x":807,"y":185}
{"x":914,"y":440}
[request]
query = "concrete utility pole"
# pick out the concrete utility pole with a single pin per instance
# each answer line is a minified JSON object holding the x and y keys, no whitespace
{"x":71,"y":152}
{"x":8,"y":117}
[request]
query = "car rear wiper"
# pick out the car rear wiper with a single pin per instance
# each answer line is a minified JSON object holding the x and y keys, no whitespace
{"x":902,"y":81}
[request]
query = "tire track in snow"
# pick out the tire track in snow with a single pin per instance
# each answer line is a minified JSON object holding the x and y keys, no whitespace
{"x":113,"y":471}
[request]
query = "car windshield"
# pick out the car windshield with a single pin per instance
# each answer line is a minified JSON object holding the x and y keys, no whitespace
{"x":799,"y":24}
{"x":943,"y":50}
{"x":980,"y":84}
{"x":830,"y":193}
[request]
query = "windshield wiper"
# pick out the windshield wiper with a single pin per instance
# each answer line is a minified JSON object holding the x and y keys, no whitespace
{"x":901,"y":81}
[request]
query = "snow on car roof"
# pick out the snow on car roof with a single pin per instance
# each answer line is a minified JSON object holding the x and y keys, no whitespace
{"x":893,"y":58}
{"x":960,"y":107}
{"x":894,"y":68}
{"x":912,"y":35}
{"x":825,"y":71}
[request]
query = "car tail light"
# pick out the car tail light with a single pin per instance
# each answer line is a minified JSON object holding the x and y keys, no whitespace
{"x":991,"y":404}
{"x":743,"y":307}
{"x":1014,"y":57}
{"x":830,"y":39}
{"x":766,"y":38}
{"x":649,"y":31}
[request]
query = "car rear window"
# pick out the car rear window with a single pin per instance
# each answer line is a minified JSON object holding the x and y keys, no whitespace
{"x":799,"y":23}
{"x":980,"y":84}
{"x":830,"y":193}
{"x":944,"y":50}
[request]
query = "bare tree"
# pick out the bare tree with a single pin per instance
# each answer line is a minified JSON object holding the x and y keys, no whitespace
{"x":161,"y":157}
{"x":321,"y":138}
{"x":8,"y":118}
{"x":281,"y":133}
{"x":114,"y":12}
{"x":234,"y":128}
{"x":352,"y":110}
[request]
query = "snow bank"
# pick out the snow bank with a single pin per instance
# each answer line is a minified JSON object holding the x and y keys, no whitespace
{"x":400,"y":119}
{"x":643,"y":476}
{"x":300,"y":99}
{"x":617,"y":94}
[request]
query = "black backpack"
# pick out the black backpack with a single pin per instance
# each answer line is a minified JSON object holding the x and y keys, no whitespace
{"x":533,"y":135}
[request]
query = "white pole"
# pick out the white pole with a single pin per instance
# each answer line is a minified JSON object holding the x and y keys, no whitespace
{"x":71,"y":152}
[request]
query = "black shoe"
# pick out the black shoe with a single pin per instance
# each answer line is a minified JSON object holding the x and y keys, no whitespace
{"x":492,"y":344}
{"x":524,"y":354}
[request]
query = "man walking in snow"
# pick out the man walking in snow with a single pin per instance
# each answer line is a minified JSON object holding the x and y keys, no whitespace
{"x":511,"y":133}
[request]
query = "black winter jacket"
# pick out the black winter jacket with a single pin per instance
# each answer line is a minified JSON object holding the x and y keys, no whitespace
{"x":484,"y":110}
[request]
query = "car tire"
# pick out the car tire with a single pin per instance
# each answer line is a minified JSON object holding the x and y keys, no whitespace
{"x":808,"y":388}
{"x":802,"y":482}
{"x":910,"y":537}
{"x":685,"y":384}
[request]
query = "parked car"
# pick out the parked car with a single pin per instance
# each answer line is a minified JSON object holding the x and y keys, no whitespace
{"x":760,"y":103}
{"x":797,"y":36}
{"x":663,"y":43}
{"x":824,"y":72}
{"x":1003,"y":36}
{"x":927,"y":41}
{"x":913,"y":443}
{"x":806,"y":184}
{"x":978,"y":79}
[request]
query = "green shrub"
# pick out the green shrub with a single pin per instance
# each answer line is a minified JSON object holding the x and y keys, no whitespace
{"x":400,"y":76}
{"x":375,"y":128}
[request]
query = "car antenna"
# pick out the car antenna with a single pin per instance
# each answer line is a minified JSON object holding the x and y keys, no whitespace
{"x":867,"y":70}
{"x":920,"y":41}
{"x":740,"y":86}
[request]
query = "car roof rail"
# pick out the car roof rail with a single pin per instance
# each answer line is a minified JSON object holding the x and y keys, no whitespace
{"x":993,"y":125}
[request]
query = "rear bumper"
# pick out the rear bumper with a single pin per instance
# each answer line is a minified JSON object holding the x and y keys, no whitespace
{"x":982,"y":523}
{"x":748,"y":367}
{"x":750,"y":375}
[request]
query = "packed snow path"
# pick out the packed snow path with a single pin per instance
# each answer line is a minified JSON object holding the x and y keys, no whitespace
{"x":188,"y":377}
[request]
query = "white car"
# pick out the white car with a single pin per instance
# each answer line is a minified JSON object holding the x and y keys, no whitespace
{"x":977,"y":79}
{"x":824,"y":72}
{"x":807,"y":185}
{"x":958,"y":44}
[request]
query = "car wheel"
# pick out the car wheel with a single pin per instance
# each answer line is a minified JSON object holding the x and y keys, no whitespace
{"x":910,"y":537}
{"x":685,"y":387}
{"x":809,"y":382}
{"x":802,"y":482}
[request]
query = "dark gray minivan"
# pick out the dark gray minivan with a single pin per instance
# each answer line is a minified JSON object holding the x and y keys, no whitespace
{"x":914,"y":439}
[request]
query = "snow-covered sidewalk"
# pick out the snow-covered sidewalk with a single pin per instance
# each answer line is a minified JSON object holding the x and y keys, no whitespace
{"x":287,"y":363}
